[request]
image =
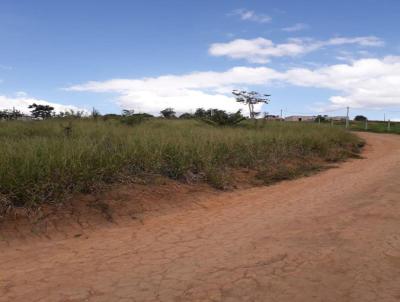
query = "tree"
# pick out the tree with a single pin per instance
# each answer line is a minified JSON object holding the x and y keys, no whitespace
{"x":72,"y":113}
{"x":8,"y":114}
{"x":200,"y":113}
{"x":41,"y":111}
{"x":360,"y":118}
{"x":251,"y":98}
{"x":168,"y":113}
{"x":95,"y":113}
{"x":321,"y":118}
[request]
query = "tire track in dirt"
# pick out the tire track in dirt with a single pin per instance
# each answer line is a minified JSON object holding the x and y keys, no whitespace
{"x":334,"y":236}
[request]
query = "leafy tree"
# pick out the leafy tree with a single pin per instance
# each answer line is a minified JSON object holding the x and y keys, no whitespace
{"x":360,"y":118}
{"x":251,"y":98}
{"x":168,"y":113}
{"x":41,"y":111}
{"x":200,"y":113}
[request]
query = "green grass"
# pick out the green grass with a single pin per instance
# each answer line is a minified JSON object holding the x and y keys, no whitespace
{"x":376,"y":126}
{"x":42,"y":162}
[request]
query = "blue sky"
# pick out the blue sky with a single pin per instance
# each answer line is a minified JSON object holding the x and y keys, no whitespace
{"x":147,"y":55}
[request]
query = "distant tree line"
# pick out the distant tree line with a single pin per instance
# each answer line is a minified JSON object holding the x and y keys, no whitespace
{"x":39,"y":111}
{"x":128,"y":116}
{"x":10,"y":114}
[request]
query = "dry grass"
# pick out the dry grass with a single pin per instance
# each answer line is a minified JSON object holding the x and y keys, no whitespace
{"x":42,"y":162}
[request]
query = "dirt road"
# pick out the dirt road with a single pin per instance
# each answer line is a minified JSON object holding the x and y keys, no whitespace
{"x":334,"y":236}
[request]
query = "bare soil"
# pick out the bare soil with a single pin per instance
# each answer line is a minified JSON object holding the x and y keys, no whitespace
{"x":334,"y":236}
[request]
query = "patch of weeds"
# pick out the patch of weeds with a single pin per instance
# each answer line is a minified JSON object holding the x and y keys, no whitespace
{"x":218,"y":178}
{"x":286,"y":171}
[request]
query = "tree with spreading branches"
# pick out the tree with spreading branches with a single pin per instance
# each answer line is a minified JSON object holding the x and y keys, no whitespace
{"x":251,"y":98}
{"x":41,"y":111}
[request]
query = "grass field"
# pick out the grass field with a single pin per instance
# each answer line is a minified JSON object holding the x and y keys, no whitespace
{"x":45,"y":161}
{"x":376,"y":126}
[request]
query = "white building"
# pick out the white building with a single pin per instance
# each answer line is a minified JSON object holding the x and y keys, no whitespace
{"x":300,"y":118}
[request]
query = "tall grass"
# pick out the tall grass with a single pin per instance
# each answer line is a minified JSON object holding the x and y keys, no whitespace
{"x":376,"y":126}
{"x":42,"y":161}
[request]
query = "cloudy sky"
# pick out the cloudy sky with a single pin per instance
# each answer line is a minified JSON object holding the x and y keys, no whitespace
{"x":313,"y":56}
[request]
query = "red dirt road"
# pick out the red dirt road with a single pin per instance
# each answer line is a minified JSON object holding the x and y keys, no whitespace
{"x":334,"y":236}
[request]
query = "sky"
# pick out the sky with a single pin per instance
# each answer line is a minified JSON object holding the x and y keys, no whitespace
{"x":313,"y":57}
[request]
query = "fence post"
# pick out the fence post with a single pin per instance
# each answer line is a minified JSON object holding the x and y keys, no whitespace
{"x":366,"y":124}
{"x":331,"y":122}
{"x":388,"y":127}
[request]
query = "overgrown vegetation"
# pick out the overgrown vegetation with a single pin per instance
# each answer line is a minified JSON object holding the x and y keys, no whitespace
{"x":43,"y":161}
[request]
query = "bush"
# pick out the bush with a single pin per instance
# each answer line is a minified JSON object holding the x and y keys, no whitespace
{"x":360,"y":118}
{"x":222,"y":118}
{"x":135,"y":119}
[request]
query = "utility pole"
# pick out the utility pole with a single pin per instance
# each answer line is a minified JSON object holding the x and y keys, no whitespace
{"x":388,"y":128}
{"x":347,"y":117}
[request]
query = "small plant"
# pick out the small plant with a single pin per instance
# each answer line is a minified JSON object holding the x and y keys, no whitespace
{"x":67,"y":129}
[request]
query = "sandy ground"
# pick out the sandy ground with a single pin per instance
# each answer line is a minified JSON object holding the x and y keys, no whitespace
{"x":334,"y":236}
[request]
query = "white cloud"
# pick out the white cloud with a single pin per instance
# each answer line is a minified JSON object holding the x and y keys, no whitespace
{"x":362,"y":83}
{"x":363,"y":41}
{"x":296,"y":27}
{"x":185,"y":92}
{"x":261,"y":50}
{"x":249,"y":15}
{"x":21,"y":101}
